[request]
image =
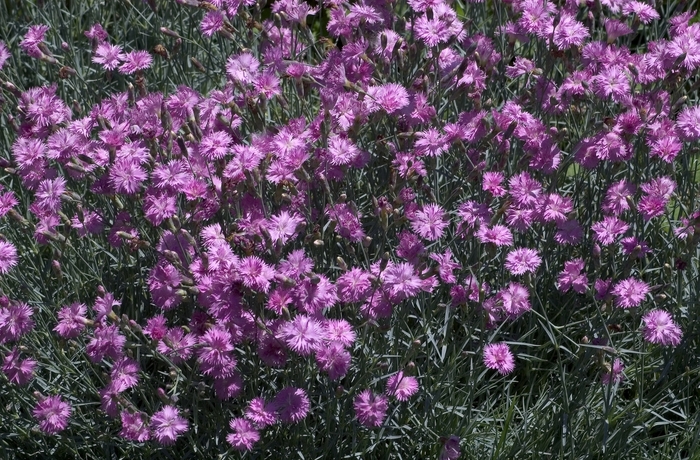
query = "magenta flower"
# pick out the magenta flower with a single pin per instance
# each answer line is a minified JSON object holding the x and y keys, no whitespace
{"x":216,"y":145}
{"x":333,"y":359}
{"x":339,"y":330}
{"x":354,"y":285}
{"x":572,"y":278}
{"x":498,"y":235}
{"x":607,"y":230}
{"x":303,"y":334}
{"x":291,"y":405}
{"x":515,"y":298}
{"x":108,"y":56}
{"x":124,"y":374}
{"x":370,"y":409}
{"x":134,"y":428}
{"x":107,"y":342}
{"x":450,"y":450}
{"x":569,"y":32}
{"x":255,"y":273}
{"x":524,"y":190}
{"x":688,"y":123}
{"x":429,"y":222}
{"x":4,"y":54}
{"x":34,"y":37}
{"x":135,"y":61}
{"x":492,"y":183}
{"x":244,"y":434}
{"x":498,"y":356}
{"x":52,"y":413}
{"x":215,"y":355}
{"x":630,"y":292}
{"x":523,"y":260}
{"x":401,"y":386}
{"x":615,"y":375}
{"x":71,"y":320}
{"x":8,"y":256}
{"x":15,"y":321}
{"x":18,"y":371}
{"x":167,"y":425}
{"x":660,"y":328}
{"x":260,"y":413}
{"x":401,"y":281}
{"x":242,"y":68}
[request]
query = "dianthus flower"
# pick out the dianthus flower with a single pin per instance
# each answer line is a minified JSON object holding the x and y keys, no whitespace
{"x":134,"y":428}
{"x":108,"y":56}
{"x":15,"y":321}
{"x":607,"y":230}
{"x":52,"y":413}
{"x":572,"y":278}
{"x":71,"y":320}
{"x":370,"y":409}
{"x":401,"y":386}
{"x":18,"y":371}
{"x":244,"y":434}
{"x":167,"y":425}
{"x":498,"y":235}
{"x":660,"y":328}
{"x":630,"y":292}
{"x":333,"y":359}
{"x":135,"y":61}
{"x":615,"y":375}
{"x":8,"y":256}
{"x":303,"y":334}
{"x":523,"y":260}
{"x":429,"y":222}
{"x":291,"y":405}
{"x":499,"y":357}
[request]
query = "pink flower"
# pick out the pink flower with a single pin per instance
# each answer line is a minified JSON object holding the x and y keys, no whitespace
{"x":303,"y":334}
{"x":339,"y":330}
{"x":19,"y":372}
{"x":660,"y":328}
{"x":291,"y":405}
{"x":370,"y":409}
{"x":71,"y":320}
{"x":401,"y":281}
{"x":515,"y":299}
{"x":135,"y":61}
{"x":106,"y":342}
{"x":391,"y":97}
{"x":260,"y":413}
{"x":523,"y":260}
{"x":333,"y":359}
{"x":8,"y":256}
{"x":618,"y":197}
{"x":630,"y":292}
{"x":499,"y":357}
{"x":4,"y":54}
{"x":52,"y":413}
{"x":124,"y":374}
{"x":244,"y":434}
{"x":215,"y":353}
{"x":242,"y":68}
{"x":108,"y":55}
{"x":688,"y":123}
{"x":524,"y":190}
{"x":401,"y":386}
{"x":212,"y":22}
{"x":255,"y":273}
{"x":572,"y":278}
{"x":15,"y":321}
{"x":134,"y":428}
{"x":450,"y":450}
{"x":569,"y":32}
{"x":492,"y":183}
{"x":429,"y":222}
{"x":607,"y":230}
{"x":354,"y":285}
{"x":615,"y":375}
{"x":215,"y":146}
{"x":498,"y":235}
{"x":167,"y":425}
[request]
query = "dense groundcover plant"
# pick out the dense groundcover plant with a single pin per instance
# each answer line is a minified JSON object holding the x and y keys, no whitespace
{"x":405,"y":229}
